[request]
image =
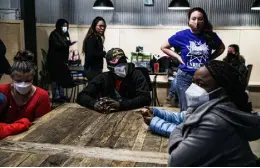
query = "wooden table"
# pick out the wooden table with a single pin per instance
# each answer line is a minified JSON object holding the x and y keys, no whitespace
{"x":74,"y":136}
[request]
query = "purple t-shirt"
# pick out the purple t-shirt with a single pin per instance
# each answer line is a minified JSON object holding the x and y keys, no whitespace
{"x":194,"y":50}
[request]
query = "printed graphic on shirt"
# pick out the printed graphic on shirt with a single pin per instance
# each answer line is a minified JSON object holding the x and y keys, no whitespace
{"x":197,"y":55}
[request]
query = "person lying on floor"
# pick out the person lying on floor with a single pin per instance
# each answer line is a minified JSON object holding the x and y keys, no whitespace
{"x":122,"y":88}
{"x":218,"y":123}
{"x":21,"y":101}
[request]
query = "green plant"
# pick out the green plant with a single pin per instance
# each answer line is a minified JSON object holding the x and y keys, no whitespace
{"x":44,"y":73}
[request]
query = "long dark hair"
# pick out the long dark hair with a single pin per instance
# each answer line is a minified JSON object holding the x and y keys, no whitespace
{"x":207,"y":24}
{"x":207,"y":29}
{"x":92,"y":30}
{"x":23,"y":62}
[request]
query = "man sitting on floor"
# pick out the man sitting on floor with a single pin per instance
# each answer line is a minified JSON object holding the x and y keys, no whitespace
{"x":122,"y":88}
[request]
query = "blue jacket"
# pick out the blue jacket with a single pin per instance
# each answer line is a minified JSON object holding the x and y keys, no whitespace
{"x":165,"y":121}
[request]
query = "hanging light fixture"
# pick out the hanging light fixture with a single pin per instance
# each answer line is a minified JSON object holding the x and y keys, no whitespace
{"x":179,"y":5}
{"x":256,"y":5}
{"x":103,"y":5}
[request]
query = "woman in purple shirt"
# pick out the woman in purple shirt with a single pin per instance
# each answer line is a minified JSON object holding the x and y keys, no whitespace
{"x":196,"y":45}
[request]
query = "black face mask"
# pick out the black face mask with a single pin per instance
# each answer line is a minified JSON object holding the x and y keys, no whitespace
{"x":231,"y":55}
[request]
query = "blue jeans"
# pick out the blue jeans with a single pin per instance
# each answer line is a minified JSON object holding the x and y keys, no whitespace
{"x":173,"y":87}
{"x":57,"y":91}
{"x":183,"y":81}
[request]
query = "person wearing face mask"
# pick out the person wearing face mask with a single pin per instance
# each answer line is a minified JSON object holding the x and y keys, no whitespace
{"x":22,"y":102}
{"x":93,"y":48}
{"x":235,"y":59}
{"x":122,"y":88}
{"x":196,"y":45}
{"x":220,"y":123}
{"x":163,"y":122}
{"x":57,"y":57}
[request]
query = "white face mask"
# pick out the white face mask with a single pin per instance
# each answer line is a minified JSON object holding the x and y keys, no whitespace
{"x":23,"y":87}
{"x":196,"y":96}
{"x":121,"y":70}
{"x":64,"y":29}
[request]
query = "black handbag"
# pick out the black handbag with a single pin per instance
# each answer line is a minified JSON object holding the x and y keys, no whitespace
{"x":74,"y":58}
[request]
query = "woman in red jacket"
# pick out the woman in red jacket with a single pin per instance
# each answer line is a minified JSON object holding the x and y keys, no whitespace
{"x":23,"y":102}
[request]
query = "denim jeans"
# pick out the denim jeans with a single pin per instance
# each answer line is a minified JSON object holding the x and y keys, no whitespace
{"x":57,"y":91}
{"x":173,"y":87}
{"x":183,"y":81}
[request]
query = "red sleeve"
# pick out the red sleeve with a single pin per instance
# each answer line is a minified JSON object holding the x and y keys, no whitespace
{"x":10,"y":129}
{"x":44,"y":106}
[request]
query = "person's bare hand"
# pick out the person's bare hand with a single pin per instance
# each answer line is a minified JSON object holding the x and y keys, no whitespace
{"x":98,"y":106}
{"x":147,"y":120}
{"x":147,"y":111}
{"x":113,"y":104}
{"x":109,"y":104}
{"x":147,"y":114}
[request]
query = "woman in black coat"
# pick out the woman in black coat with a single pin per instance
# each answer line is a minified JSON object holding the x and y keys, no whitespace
{"x":93,"y":48}
{"x":4,"y":64}
{"x":58,"y":53}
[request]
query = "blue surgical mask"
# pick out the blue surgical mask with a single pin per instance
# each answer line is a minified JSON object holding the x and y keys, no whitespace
{"x":64,"y":29}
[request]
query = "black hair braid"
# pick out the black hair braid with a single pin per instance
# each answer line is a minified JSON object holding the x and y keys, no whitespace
{"x":232,"y":81}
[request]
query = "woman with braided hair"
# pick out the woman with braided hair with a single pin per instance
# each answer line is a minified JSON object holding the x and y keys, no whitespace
{"x":232,"y":81}
{"x":218,"y":124}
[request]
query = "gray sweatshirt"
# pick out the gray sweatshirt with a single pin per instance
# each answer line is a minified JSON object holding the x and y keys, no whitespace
{"x":215,"y":134}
